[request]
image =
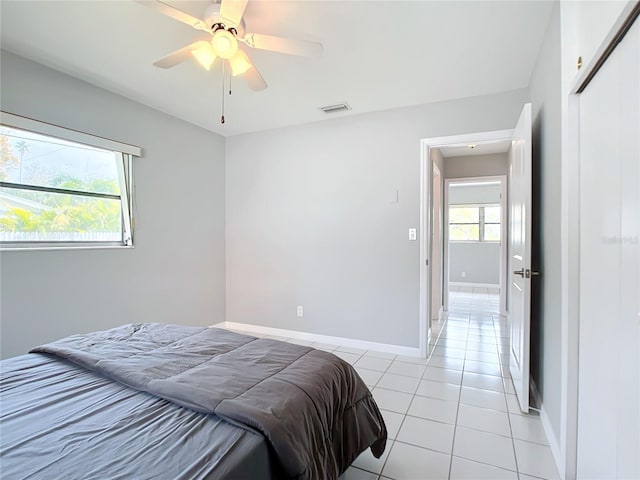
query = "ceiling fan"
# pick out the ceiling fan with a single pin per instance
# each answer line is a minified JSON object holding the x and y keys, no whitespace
{"x":223,"y":21}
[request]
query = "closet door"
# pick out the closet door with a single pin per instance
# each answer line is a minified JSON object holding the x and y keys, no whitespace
{"x":609,"y":348}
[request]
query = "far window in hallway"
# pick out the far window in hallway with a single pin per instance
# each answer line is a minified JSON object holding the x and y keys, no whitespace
{"x":474,"y":223}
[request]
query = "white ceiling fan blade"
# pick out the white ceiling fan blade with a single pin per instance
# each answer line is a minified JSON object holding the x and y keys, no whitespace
{"x":172,"y":12}
{"x":231,"y":11}
{"x":283,"y":45}
{"x":178,"y":56}
{"x":253,"y":78}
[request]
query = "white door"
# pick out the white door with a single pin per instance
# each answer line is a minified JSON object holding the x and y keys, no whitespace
{"x":519,"y":278}
{"x":609,"y":340}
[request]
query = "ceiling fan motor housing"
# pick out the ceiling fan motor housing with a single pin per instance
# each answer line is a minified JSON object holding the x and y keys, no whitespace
{"x":213,"y":19}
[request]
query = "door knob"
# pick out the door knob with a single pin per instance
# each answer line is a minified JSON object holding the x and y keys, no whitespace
{"x":519,"y":272}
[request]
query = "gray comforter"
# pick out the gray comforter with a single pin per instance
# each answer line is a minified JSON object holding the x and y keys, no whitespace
{"x":312,"y":407}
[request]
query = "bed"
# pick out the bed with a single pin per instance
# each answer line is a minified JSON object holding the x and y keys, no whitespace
{"x":168,"y":401}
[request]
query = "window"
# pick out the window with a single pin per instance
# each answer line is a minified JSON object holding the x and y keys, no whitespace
{"x":59,"y":187}
{"x":490,"y":224}
{"x":464,"y":223}
{"x":474,"y":223}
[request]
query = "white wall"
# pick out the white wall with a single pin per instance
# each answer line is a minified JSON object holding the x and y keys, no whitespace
{"x":546,"y":299}
{"x":174,"y":274}
{"x":309,"y":220}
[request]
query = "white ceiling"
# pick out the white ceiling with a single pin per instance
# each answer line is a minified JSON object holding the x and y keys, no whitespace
{"x":377,"y":54}
{"x":479,"y":149}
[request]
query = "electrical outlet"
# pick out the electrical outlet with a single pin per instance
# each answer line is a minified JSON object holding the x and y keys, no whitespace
{"x":464,"y":274}
{"x":300,"y":311}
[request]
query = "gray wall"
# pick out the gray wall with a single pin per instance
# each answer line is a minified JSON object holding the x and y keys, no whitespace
{"x":175,"y":273}
{"x":477,"y":165}
{"x":460,"y":193}
{"x":545,"y":95}
{"x":479,"y":261}
{"x":309,"y":220}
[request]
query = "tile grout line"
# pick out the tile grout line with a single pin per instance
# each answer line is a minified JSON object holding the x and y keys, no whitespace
{"x":370,"y":390}
{"x":463,"y":374}
{"x":513,"y":443}
{"x":404,"y":418}
{"x":469,"y":325}
{"x":394,"y":440}
{"x":455,"y":426}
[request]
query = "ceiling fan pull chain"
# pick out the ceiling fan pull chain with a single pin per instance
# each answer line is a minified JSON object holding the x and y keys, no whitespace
{"x":222,"y":117}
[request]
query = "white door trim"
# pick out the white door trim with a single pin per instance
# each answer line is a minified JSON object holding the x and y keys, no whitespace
{"x":426,"y":214}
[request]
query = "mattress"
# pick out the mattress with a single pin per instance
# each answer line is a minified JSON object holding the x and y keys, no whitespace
{"x":313,"y":409}
{"x":58,"y":420}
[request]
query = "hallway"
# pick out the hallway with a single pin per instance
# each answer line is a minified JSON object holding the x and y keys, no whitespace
{"x":453,"y":415}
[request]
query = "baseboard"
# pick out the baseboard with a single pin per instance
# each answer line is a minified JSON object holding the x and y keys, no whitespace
{"x":553,"y":442}
{"x":533,"y":392}
{"x":314,"y":337}
{"x":548,"y":430}
{"x":472,"y":284}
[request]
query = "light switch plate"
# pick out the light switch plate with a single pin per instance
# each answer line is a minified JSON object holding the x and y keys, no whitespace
{"x":413,"y":234}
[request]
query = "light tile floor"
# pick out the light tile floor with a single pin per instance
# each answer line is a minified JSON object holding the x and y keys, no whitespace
{"x":453,"y":415}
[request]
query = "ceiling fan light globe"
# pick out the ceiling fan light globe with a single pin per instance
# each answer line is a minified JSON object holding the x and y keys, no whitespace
{"x":205,"y":55}
{"x":240,"y":63}
{"x":224,"y":44}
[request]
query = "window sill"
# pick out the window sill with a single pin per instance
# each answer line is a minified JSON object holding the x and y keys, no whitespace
{"x":22,"y":248}
{"x":476,"y":241}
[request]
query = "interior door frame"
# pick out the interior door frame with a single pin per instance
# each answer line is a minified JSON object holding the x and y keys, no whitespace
{"x":426,"y":218}
{"x":439,"y":241}
{"x":504,"y":227}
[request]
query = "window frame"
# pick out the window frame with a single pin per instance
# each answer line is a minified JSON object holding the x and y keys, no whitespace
{"x":481,"y":223}
{"x":124,"y":154}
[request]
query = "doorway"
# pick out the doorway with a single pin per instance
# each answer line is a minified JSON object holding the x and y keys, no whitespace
{"x":475,"y":247}
{"x":516,"y":166}
{"x":432,"y":244}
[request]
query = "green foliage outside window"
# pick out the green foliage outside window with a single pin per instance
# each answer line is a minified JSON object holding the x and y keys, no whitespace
{"x":471,"y":223}
{"x":36,"y":211}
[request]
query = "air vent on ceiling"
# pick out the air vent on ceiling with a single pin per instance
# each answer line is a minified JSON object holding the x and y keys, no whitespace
{"x":340,"y":107}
